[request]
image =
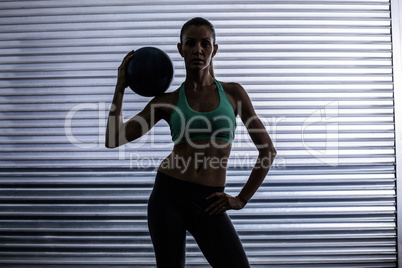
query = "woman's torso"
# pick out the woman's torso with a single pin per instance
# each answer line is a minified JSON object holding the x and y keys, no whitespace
{"x":198,"y":161}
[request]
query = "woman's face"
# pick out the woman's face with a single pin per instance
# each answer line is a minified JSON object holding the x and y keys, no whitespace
{"x":197,"y":47}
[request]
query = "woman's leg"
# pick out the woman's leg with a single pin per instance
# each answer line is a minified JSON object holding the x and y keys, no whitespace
{"x":217,"y":238}
{"x":167,"y":229}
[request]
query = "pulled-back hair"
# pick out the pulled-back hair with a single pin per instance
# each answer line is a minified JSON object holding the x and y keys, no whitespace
{"x":198,"y":21}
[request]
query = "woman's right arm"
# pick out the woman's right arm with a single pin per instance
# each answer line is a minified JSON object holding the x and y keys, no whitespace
{"x":119,"y":132}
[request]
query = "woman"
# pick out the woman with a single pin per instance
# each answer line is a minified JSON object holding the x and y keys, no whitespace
{"x":189,"y":188}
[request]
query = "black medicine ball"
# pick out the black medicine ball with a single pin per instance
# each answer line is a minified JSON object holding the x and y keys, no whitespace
{"x":149,"y":72}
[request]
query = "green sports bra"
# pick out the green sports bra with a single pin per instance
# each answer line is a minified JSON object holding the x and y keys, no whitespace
{"x":189,"y":125}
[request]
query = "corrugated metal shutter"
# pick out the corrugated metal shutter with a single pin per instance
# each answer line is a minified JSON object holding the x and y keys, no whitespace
{"x":318,"y":72}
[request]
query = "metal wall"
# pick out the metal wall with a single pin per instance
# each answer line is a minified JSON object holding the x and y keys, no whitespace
{"x":319,"y":74}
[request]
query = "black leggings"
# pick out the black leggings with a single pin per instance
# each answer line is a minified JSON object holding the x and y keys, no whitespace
{"x":176,"y":206}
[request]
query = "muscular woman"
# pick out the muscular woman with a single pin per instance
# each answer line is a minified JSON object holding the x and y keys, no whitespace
{"x":188,"y":193}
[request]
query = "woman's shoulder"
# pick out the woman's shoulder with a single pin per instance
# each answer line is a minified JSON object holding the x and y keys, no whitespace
{"x":167,"y":97}
{"x":235,"y":90}
{"x":165,"y":103}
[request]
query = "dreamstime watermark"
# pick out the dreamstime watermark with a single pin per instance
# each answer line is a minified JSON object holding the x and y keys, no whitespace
{"x":319,"y":133}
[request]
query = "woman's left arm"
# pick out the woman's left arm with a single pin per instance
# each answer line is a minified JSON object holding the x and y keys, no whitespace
{"x":261,"y":139}
{"x":266,"y":155}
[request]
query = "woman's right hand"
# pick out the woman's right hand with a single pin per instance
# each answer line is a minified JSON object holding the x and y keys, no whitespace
{"x":122,"y":81}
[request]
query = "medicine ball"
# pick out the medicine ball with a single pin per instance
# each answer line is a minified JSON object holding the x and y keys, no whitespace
{"x":149,"y":72}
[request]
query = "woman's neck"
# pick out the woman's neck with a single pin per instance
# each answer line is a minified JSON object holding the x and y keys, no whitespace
{"x":198,"y":79}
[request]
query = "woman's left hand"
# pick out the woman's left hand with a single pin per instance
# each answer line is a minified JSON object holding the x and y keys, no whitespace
{"x":225,"y":202}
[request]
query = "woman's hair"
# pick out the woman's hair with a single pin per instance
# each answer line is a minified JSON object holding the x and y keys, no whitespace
{"x":198,"y":21}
